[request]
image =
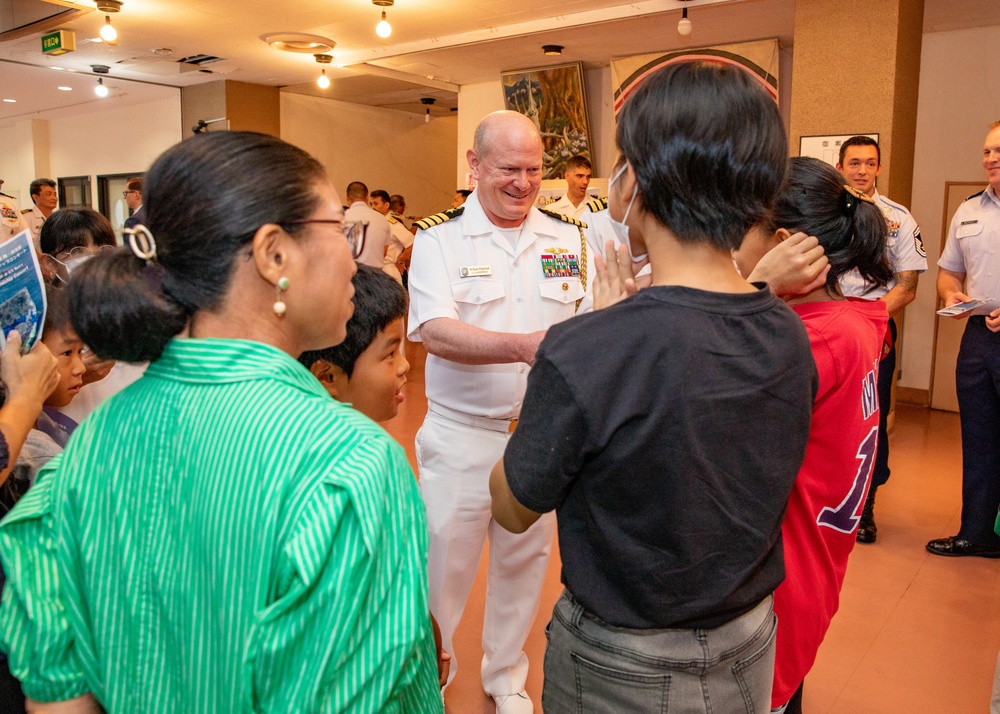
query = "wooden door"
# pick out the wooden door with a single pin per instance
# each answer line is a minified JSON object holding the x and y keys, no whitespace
{"x":948,"y":330}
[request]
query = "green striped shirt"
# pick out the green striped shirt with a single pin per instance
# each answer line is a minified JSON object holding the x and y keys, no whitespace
{"x":222,"y":536}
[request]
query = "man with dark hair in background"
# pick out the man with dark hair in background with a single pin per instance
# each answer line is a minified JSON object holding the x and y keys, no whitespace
{"x":397,"y":253}
{"x":577,"y":175}
{"x":860,"y":164}
{"x":133,"y":197}
{"x":379,"y":200}
{"x":44,"y":199}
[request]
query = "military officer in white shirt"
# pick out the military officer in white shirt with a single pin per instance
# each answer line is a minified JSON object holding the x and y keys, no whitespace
{"x":969,"y":267}
{"x":486,"y":281}
{"x":860,"y":164}
{"x":44,"y":199}
{"x":376,"y":226}
{"x":577,"y":175}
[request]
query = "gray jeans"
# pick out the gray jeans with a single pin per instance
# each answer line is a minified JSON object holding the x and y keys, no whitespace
{"x":594,"y":668}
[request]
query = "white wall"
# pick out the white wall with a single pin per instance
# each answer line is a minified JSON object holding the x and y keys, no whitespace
{"x":386,"y":149}
{"x":115,"y":141}
{"x":959,"y":97}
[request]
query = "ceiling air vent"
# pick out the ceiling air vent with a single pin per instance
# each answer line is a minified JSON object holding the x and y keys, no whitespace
{"x":200,"y":60}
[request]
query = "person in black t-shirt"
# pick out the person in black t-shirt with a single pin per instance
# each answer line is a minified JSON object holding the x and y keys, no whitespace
{"x":666,"y":431}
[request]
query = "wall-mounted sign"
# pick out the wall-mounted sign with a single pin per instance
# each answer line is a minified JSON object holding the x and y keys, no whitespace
{"x":59,"y":42}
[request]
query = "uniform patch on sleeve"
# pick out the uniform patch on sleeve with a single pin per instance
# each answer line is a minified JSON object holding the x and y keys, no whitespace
{"x":918,"y":244}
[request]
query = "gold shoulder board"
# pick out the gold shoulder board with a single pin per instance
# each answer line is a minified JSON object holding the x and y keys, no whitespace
{"x":439,"y":218}
{"x":598,"y":204}
{"x":561,"y":217}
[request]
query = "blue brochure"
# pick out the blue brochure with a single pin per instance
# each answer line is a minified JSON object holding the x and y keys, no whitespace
{"x":22,"y":291}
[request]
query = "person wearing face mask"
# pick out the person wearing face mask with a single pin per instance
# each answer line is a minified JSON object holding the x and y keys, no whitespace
{"x":670,"y":459}
{"x":68,"y":239}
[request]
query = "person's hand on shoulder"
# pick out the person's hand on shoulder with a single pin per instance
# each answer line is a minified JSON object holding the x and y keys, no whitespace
{"x":796,"y":266}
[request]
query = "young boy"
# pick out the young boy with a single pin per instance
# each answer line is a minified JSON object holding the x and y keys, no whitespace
{"x":44,"y":442}
{"x":368,"y":369}
{"x":52,"y":429}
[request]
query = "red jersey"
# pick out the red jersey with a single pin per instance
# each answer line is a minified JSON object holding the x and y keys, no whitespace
{"x":825,"y":505}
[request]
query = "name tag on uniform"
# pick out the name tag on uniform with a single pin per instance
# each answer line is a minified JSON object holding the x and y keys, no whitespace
{"x":969,"y":223}
{"x":475,"y":271}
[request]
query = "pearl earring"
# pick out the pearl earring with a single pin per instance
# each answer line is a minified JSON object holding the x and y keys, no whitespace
{"x":279,"y":304}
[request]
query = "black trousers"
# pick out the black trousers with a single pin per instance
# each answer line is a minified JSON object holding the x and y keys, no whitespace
{"x":977,"y":381}
{"x":886,"y":369}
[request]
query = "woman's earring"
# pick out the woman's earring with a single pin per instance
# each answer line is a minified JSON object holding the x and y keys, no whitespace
{"x":279,"y":304}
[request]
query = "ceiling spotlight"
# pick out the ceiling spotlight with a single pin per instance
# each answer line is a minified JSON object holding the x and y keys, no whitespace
{"x":552,"y":50}
{"x":427,"y":102}
{"x":108,"y":33}
{"x":323,"y":81}
{"x":684,"y":25}
{"x":100,"y":90}
{"x":383,"y":29}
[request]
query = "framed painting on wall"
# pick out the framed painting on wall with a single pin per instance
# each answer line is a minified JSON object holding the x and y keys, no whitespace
{"x":553,"y":98}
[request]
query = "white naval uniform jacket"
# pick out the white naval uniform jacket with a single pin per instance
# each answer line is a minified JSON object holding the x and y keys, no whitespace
{"x":465,"y":269}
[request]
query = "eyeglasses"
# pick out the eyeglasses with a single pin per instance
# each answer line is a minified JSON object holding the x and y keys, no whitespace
{"x":354,"y":231}
{"x":84,"y":250}
{"x":126,"y":193}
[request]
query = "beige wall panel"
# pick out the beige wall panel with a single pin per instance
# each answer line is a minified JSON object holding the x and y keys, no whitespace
{"x":253,"y":107}
{"x":386,"y":149}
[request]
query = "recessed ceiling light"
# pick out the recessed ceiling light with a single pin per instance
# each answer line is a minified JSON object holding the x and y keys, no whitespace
{"x":65,"y":89}
{"x":59,"y":69}
{"x":11,"y":101}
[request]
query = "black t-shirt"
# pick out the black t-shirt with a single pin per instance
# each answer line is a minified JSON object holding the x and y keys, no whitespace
{"x":667,"y":431}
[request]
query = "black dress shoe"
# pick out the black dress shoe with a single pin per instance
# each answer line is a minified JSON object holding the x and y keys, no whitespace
{"x":957,"y":547}
{"x":867,"y":530}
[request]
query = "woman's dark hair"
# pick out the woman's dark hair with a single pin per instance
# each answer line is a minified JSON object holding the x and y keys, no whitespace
{"x":205,"y":198}
{"x":851,"y":230}
{"x":70,"y":228}
{"x":708,"y":149}
{"x":378,"y":300}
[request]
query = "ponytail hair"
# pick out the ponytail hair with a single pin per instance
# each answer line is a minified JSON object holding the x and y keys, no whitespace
{"x":205,"y":198}
{"x":849,"y":226}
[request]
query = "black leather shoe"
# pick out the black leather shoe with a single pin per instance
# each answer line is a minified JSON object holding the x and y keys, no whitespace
{"x":957,"y":547}
{"x":867,"y":530}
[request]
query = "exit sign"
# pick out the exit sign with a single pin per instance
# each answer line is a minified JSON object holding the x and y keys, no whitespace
{"x":59,"y":42}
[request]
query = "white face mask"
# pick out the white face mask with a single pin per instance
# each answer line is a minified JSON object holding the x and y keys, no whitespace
{"x":621,"y":227}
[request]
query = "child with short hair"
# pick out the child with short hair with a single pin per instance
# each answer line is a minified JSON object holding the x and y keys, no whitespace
{"x":52,"y":429}
{"x":368,"y":369}
{"x":44,"y":442}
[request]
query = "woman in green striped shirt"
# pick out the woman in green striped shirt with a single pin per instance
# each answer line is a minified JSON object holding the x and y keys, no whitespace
{"x":222,"y":536}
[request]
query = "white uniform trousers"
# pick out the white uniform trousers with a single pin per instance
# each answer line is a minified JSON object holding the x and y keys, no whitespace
{"x":455,"y":461}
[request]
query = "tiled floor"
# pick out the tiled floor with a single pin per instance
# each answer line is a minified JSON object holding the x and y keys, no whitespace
{"x":916,"y":633}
